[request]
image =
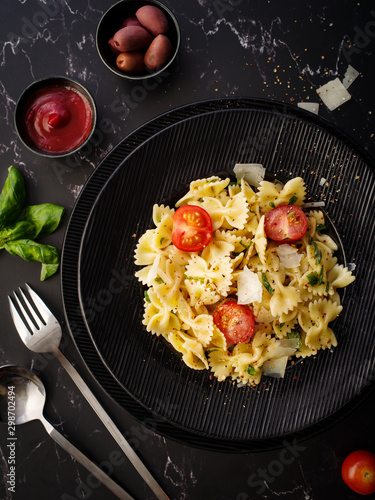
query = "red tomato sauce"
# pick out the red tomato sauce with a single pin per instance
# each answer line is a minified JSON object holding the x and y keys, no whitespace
{"x":58,"y":119}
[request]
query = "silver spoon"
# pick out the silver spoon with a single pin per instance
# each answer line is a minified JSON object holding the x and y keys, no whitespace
{"x":22,"y":398}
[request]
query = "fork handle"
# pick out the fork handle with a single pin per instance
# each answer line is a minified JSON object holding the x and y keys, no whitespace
{"x":86,"y":462}
{"x":110,"y":425}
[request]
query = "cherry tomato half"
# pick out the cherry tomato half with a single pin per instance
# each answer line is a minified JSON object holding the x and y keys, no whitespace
{"x":192,"y":228}
{"x":285,"y":223}
{"x":235,"y":321}
{"x":358,"y":472}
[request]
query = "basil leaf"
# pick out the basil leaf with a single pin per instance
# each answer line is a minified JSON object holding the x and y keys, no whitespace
{"x":45,"y":217}
{"x":21,"y":229}
{"x":295,"y":334}
{"x":266,"y":284}
{"x":292,"y":200}
{"x":12,"y":197}
{"x":321,"y":227}
{"x":31,"y":251}
{"x":251,"y":370}
{"x":48,"y":270}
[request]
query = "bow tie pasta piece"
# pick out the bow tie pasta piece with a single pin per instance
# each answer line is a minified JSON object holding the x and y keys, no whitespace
{"x":260,"y":241}
{"x":192,"y":351}
{"x":340,"y":277}
{"x":284,"y":298}
{"x":232,"y":214}
{"x":217,"y":249}
{"x":154,"y":240}
{"x":293,"y":193}
{"x":158,"y":319}
{"x":220,"y":363}
{"x":314,"y":321}
{"x":218,"y":340}
{"x":159,"y":212}
{"x":200,"y":325}
{"x":214,"y":276}
{"x":269,"y":195}
{"x":202,"y":188}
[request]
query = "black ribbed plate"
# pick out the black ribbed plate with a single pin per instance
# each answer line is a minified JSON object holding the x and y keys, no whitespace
{"x":150,"y":167}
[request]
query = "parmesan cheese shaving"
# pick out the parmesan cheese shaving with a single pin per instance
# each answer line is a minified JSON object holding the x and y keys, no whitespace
{"x":313,"y":107}
{"x":275,"y":367}
{"x":288,"y":255}
{"x":264,"y":316}
{"x":249,"y":287}
{"x":333,"y":94}
{"x":350,"y":75}
{"x":253,"y":173}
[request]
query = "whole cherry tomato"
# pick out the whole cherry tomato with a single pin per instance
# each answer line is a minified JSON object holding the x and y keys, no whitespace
{"x":358,"y":472}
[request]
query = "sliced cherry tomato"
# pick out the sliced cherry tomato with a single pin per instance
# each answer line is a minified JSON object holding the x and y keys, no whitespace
{"x":285,"y":223}
{"x":235,"y":321}
{"x":192,"y":228}
{"x":358,"y":472}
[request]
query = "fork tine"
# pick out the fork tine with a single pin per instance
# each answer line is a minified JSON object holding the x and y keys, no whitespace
{"x":31,"y":309}
{"x":26,"y":315}
{"x":42,"y":308}
{"x":23,"y":331}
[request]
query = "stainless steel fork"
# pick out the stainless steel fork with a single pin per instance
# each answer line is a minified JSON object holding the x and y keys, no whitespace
{"x":46,"y":337}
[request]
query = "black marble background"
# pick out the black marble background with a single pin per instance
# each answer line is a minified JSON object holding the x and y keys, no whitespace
{"x":229,"y":48}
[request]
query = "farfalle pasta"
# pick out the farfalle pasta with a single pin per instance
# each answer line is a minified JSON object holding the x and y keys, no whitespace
{"x":295,"y":297}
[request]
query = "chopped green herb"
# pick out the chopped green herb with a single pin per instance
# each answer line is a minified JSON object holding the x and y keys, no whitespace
{"x":147,"y":298}
{"x":251,"y":370}
{"x":194,"y":278}
{"x":313,"y":278}
{"x":327,"y":287}
{"x":211,"y":350}
{"x":276,"y":181}
{"x":159,"y":280}
{"x":281,"y":325}
{"x":295,"y":334}
{"x":321,"y":227}
{"x":317,"y":252}
{"x":161,"y":240}
{"x":272,"y":204}
{"x":245,"y":246}
{"x":292,"y":200}
{"x":266,"y":284}
{"x":321,"y":276}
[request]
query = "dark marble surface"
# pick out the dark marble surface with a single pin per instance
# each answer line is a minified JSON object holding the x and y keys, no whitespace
{"x":229,"y":48}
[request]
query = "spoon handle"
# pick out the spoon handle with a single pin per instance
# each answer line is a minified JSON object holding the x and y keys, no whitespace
{"x":86,"y":462}
{"x":110,"y":425}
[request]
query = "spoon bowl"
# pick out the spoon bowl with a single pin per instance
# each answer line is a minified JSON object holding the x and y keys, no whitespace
{"x":29,"y":394}
{"x":22,"y":399}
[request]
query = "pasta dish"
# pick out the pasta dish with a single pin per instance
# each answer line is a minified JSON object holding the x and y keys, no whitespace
{"x":239,"y":280}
